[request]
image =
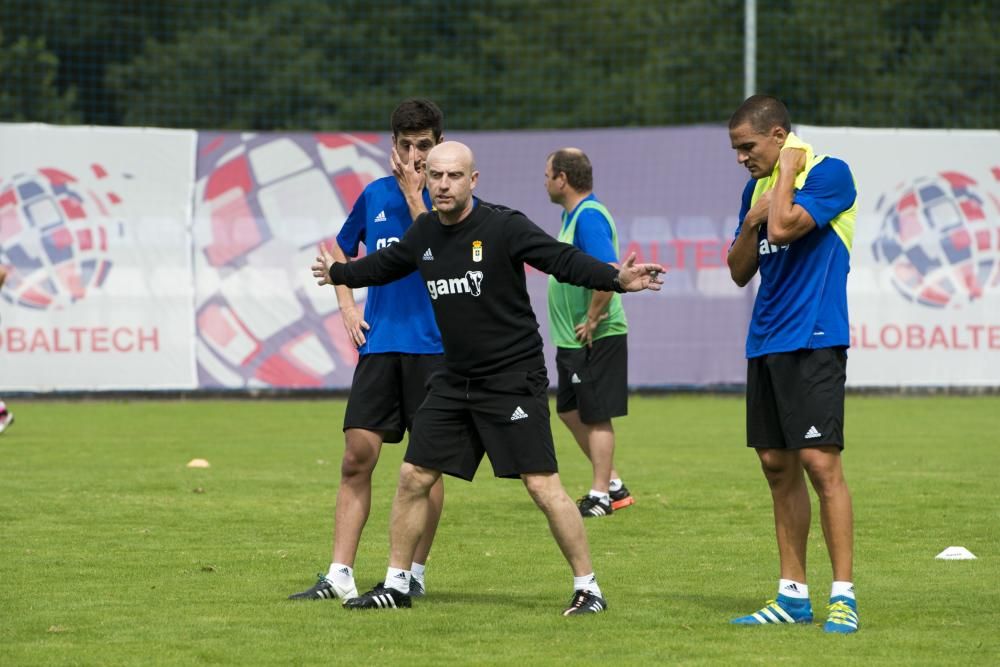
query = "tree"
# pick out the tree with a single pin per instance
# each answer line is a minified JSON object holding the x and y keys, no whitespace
{"x":29,"y":93}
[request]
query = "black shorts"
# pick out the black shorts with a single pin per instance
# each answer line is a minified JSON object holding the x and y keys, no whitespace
{"x":505,"y":416}
{"x":796,"y":399}
{"x":594,"y":380}
{"x":386,"y":391}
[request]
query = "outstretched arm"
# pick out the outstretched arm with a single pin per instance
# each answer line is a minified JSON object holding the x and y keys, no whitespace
{"x":384,"y":266}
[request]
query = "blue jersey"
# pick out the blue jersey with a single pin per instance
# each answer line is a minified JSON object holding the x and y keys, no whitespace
{"x":593,"y":232}
{"x":398,"y":313}
{"x":802,"y":300}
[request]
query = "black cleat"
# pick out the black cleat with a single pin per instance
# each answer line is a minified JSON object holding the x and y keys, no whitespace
{"x":324,"y":589}
{"x":591,"y":506}
{"x":380,"y":597}
{"x":621,"y":498}
{"x":416,"y":588}
{"x":585,"y":602}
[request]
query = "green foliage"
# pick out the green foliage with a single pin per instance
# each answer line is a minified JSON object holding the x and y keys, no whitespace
{"x":28,"y":91}
{"x":318,"y":65}
{"x":114,"y":553}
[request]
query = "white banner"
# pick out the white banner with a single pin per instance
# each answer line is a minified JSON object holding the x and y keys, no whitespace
{"x":924,"y":288}
{"x":94,"y":233}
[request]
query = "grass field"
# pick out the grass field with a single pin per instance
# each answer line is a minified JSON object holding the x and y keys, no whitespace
{"x":114,"y":553}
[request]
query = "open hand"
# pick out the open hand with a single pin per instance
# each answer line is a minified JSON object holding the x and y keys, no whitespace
{"x":410,"y":179}
{"x":321,"y":267}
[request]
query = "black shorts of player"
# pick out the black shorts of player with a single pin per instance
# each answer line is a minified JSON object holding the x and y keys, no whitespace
{"x":796,"y":399}
{"x":505,"y":416}
{"x":386,"y":391}
{"x":594,"y":380}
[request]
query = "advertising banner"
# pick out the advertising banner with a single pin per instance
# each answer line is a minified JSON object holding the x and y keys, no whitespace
{"x":94,"y":235}
{"x":924,"y":288}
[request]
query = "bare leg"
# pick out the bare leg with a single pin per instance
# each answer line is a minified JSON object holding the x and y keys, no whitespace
{"x":564,"y":519}
{"x":597,"y":441}
{"x":435,"y":505}
{"x":354,"y":497}
{"x":826,"y":472}
{"x":792,"y":510}
{"x":410,"y":509}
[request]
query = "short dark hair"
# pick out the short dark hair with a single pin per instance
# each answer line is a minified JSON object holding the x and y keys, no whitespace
{"x":416,"y":115}
{"x":762,"y":112}
{"x":576,"y":165}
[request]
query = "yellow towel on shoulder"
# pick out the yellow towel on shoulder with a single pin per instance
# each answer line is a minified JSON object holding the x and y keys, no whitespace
{"x":792,"y":142}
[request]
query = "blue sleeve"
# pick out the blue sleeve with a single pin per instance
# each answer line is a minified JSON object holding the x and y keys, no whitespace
{"x":828,"y":191}
{"x":745,"y":204}
{"x":593,"y":236}
{"x":353,"y":232}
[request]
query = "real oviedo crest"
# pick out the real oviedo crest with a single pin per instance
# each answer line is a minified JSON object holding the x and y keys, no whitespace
{"x":477,"y":251}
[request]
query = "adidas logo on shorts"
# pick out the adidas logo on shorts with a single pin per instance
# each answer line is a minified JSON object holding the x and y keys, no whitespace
{"x":518,"y":414}
{"x":812,"y":433}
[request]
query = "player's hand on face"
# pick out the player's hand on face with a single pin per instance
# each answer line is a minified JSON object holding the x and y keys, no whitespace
{"x":407,"y":176}
{"x":792,"y":160}
{"x":321,"y":267}
{"x":635,"y":277}
{"x":355,"y":325}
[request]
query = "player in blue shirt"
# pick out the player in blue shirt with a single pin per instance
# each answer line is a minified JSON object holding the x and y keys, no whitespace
{"x":6,"y":416}
{"x":398,"y":342}
{"x":796,"y":227}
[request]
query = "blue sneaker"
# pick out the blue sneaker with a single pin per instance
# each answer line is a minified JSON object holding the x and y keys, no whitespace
{"x":782,"y":610}
{"x":843,"y":615}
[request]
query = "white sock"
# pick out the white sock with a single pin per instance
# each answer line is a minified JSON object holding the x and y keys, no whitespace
{"x":342,"y":575}
{"x":587,"y":582}
{"x":417,"y":572}
{"x":844,"y":588}
{"x":398,"y":580}
{"x":615,"y":484}
{"x":600,"y":495}
{"x":793,"y":589}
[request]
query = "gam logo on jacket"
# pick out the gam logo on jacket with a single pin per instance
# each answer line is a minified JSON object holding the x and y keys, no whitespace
{"x":471,"y":283}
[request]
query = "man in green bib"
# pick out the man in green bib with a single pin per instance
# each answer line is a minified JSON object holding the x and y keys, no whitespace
{"x":590,"y":333}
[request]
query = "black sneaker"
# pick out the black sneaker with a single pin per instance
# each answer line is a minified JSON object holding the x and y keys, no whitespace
{"x":585,"y":602}
{"x":324,"y":589}
{"x":591,"y":506}
{"x":621,"y":498}
{"x":380,"y":597}
{"x":416,"y":588}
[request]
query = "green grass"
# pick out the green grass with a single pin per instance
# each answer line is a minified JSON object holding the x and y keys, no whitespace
{"x":112,"y":552}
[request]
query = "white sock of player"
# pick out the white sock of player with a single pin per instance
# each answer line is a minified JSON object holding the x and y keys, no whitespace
{"x":417,"y":572}
{"x":844,"y":588}
{"x":615,"y":485}
{"x":600,"y":495}
{"x":397,"y":579}
{"x":793,"y":589}
{"x":587,"y":582}
{"x":342,"y":575}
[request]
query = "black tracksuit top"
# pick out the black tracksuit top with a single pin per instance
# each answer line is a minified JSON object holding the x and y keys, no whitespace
{"x":474,"y":272}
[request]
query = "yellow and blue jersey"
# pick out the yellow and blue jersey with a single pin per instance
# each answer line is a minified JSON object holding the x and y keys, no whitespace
{"x":399,"y":313}
{"x":802,"y":300}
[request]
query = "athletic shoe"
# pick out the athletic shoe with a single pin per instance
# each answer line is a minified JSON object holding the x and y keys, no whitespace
{"x":380,"y":597}
{"x":585,"y":602}
{"x":6,"y":419}
{"x":621,"y":498}
{"x":416,"y":588}
{"x":843,"y":615}
{"x":324,"y":589}
{"x":782,"y":610}
{"x":591,"y":506}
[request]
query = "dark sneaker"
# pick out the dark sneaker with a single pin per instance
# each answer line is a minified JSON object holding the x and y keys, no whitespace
{"x":324,"y":589}
{"x":621,"y":498}
{"x":591,"y":506}
{"x":416,"y":588}
{"x":380,"y":597}
{"x":585,"y":602}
